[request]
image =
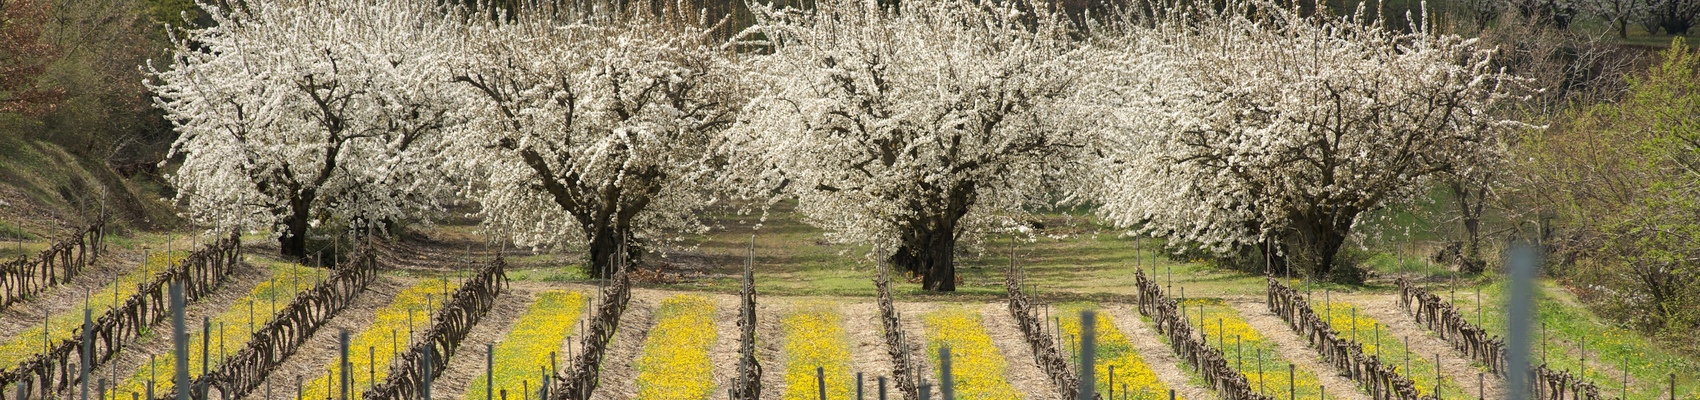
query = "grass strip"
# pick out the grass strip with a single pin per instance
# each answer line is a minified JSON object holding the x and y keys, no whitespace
{"x":814,"y":337}
{"x":1133,"y":379}
{"x":371,"y":350}
{"x":1392,"y":350}
{"x":535,"y":336}
{"x":1566,"y":322}
{"x":976,"y":365}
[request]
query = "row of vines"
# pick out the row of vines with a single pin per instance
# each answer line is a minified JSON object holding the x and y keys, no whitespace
{"x":100,"y":341}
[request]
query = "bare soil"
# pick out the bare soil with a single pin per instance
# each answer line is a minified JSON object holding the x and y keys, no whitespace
{"x":1023,"y":372}
{"x":619,"y":365}
{"x":867,"y":344}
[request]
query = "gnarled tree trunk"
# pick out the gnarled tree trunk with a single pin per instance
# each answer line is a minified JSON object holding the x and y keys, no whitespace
{"x":292,"y":243}
{"x":929,"y":246}
{"x":1314,"y":244}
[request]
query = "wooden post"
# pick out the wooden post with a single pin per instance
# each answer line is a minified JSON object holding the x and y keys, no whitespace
{"x":1292,"y":376}
{"x":1088,"y":348}
{"x":206,"y":343}
{"x":180,"y":338}
{"x":489,"y":370}
{"x":820,"y":374}
{"x":342,"y":369}
{"x":858,"y":386}
{"x":88,"y":347}
{"x":882,"y":387}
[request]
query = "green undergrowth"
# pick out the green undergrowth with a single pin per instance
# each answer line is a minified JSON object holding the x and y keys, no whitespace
{"x":1567,"y":324}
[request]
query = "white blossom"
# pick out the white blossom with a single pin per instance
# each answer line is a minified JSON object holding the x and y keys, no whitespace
{"x":1269,"y":128}
{"x":289,"y":112}
{"x":912,"y":129}
{"x":595,"y":130}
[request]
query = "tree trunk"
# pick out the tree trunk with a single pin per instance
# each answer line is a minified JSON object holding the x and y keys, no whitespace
{"x":939,"y":261}
{"x":929,"y":247}
{"x":292,"y":244}
{"x":1315,"y":245}
{"x":604,"y":249}
{"x":1470,"y":205}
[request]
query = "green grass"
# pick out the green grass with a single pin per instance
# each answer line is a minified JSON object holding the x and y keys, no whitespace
{"x":535,"y":337}
{"x":1074,"y":258}
{"x":1567,"y":323}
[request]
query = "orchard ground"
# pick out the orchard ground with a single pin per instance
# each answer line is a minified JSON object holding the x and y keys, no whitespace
{"x":1073,"y":262}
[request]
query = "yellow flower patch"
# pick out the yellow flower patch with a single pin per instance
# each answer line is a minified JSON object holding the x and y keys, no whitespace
{"x":238,"y":321}
{"x":1114,"y":348}
{"x":1389,"y":348}
{"x":814,"y":337}
{"x":976,"y":365}
{"x":373,"y":347}
{"x":675,"y":364}
{"x":61,"y":326}
{"x":1223,"y":324}
{"x":537,"y":334}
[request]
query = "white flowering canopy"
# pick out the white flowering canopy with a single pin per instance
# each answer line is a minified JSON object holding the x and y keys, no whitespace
{"x":914,"y":128}
{"x":594,"y":128}
{"x":293,"y":112}
{"x":1261,"y":127}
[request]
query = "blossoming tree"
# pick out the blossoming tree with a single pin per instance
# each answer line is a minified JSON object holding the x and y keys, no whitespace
{"x":292,"y":112}
{"x":604,"y":122}
{"x":912,"y":129}
{"x":1276,"y":130}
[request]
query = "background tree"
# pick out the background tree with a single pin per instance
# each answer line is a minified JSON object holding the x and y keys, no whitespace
{"x":23,"y":58}
{"x":292,"y":113}
{"x":604,"y":121}
{"x":1295,"y":126}
{"x":916,"y":128}
{"x":1676,"y":17}
{"x":1618,"y":13}
{"x":1625,"y":177}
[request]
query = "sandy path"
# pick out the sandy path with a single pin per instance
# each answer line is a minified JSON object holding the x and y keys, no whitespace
{"x":310,"y":360}
{"x":1023,"y":372}
{"x":468,"y":362}
{"x":134,"y":357}
{"x":1458,"y":368}
{"x":619,"y":364}
{"x":724,"y":353}
{"x":1162,"y":360}
{"x":1294,"y":349}
{"x":916,"y":333}
{"x":867,"y":345}
{"x":770,"y":347}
